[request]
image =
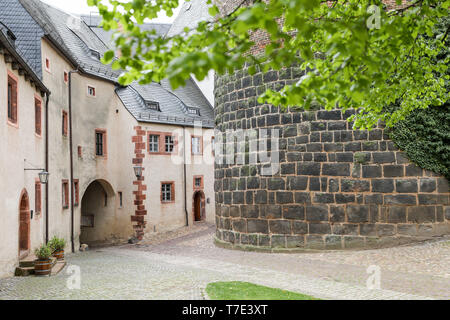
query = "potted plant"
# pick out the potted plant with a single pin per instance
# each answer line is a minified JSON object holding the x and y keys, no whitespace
{"x":57,"y":246}
{"x":43,"y":264}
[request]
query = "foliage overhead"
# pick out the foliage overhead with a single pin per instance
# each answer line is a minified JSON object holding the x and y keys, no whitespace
{"x":357,"y":53}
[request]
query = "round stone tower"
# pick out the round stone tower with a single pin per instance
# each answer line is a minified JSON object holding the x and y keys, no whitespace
{"x":335,"y":187}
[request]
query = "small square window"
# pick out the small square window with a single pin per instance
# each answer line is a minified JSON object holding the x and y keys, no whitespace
{"x":91,"y":91}
{"x":153,"y":143}
{"x":198,"y":182}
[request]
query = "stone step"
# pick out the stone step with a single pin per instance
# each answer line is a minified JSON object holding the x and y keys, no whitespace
{"x":24,"y":271}
{"x":27,"y":261}
{"x":26,"y":266}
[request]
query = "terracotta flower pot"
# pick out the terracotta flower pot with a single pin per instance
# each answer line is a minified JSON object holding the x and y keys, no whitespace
{"x":59,"y":254}
{"x":42,"y":267}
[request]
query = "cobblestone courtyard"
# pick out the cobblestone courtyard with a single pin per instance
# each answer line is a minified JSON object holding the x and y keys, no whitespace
{"x":180,"y":264}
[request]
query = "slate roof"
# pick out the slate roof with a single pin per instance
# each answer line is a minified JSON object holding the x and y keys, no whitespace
{"x":191,"y":13}
{"x":83,"y":47}
{"x":27,"y":31}
{"x":93,"y":21}
{"x":8,"y":43}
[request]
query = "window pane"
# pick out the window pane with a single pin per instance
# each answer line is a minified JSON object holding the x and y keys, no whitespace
{"x":154,"y":143}
{"x":169,"y":143}
{"x":99,"y":143}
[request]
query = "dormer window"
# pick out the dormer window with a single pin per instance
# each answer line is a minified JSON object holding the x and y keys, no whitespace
{"x":95,"y":54}
{"x":193,"y":111}
{"x":152,"y":105}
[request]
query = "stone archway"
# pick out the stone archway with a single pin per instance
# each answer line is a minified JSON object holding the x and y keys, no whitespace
{"x":24,"y":224}
{"x":97,"y":213}
{"x":199,"y":206}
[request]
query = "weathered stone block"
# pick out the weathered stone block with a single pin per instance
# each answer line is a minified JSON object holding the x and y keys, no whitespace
{"x":397,"y":214}
{"x":314,"y":242}
{"x":358,"y":213}
{"x":294,"y":212}
{"x":333,"y":242}
{"x":427,"y":185}
{"x":382,"y":185}
{"x":285,"y":197}
{"x":270,"y":211}
{"x":298,"y":183}
{"x":250,"y":211}
{"x":317,"y":213}
{"x":385,"y":230}
{"x":406,"y":185}
{"x":278,"y":241}
{"x":319,"y":228}
{"x":280,"y":226}
{"x":345,"y":228}
{"x":422,"y":214}
{"x":336,"y":169}
{"x":323,"y":198}
{"x":299,"y":227}
{"x":367,"y":229}
{"x":276,"y":184}
{"x":371,"y":171}
{"x":311,"y":169}
{"x":257,"y":226}
{"x":393,"y":171}
{"x":400,"y":199}
{"x":383,"y":157}
{"x":337,"y":214}
{"x":295,"y":241}
{"x":353,"y":242}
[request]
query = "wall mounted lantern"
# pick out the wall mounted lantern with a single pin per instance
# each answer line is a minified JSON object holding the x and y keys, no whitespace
{"x":138,"y":171}
{"x":43,"y":175}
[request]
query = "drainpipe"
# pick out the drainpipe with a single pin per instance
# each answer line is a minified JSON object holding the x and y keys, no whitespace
{"x":184,"y":169}
{"x":71,"y":162}
{"x":47,"y":95}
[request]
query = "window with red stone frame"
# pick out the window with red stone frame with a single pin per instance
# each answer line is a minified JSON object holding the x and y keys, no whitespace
{"x":65,"y":194}
{"x":161,"y":143}
{"x":37,"y":197}
{"x":197,"y":145}
{"x":167,"y":191}
{"x":38,"y":116}
{"x":76,"y":192}
{"x":65,"y":123}
{"x":198,"y":182}
{"x":12,"y":98}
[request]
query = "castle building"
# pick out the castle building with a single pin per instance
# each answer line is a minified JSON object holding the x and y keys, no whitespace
{"x":122,"y":161}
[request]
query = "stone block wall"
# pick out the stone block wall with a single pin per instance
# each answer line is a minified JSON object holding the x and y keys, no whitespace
{"x":336,"y":187}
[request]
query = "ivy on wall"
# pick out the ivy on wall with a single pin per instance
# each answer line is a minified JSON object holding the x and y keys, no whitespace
{"x":425,"y":137}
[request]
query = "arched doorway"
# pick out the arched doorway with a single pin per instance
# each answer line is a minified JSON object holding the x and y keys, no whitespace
{"x":199,"y":206}
{"x":24,"y":225}
{"x":97,"y":213}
